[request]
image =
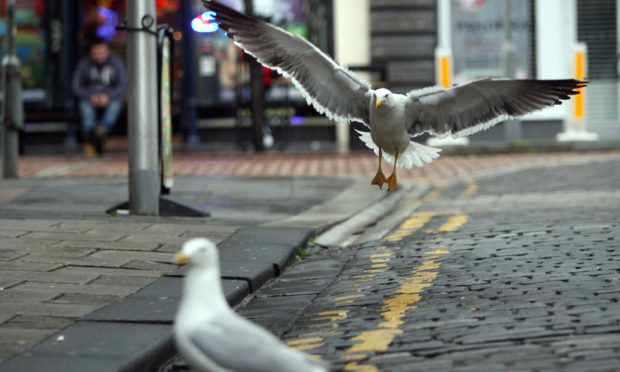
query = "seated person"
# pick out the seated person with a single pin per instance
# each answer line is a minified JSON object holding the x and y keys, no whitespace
{"x":100,"y":83}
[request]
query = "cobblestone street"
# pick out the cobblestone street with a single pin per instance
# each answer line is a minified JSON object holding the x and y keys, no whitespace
{"x":514,"y":271}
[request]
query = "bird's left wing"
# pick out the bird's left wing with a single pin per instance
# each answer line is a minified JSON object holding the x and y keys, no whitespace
{"x":478,"y":105}
{"x":330,"y":88}
{"x":237,"y":344}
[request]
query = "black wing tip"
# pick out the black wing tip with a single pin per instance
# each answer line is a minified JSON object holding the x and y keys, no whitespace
{"x":566,"y":86}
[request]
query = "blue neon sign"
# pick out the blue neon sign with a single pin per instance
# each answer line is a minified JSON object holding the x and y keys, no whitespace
{"x":205,"y":23}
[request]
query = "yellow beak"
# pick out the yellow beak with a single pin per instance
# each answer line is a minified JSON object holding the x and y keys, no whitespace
{"x":378,"y":103}
{"x":181,"y":258}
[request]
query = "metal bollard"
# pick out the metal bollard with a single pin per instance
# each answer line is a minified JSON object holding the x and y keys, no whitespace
{"x":142,"y":108}
{"x":13,"y":105}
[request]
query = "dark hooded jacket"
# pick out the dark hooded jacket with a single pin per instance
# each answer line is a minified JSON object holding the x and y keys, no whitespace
{"x":109,"y":78}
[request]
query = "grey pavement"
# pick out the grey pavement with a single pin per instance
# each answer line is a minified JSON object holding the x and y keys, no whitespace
{"x":510,"y":271}
{"x":507,"y":271}
{"x":83,"y":290}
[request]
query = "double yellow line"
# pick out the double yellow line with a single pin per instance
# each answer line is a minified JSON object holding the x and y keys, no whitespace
{"x":394,"y":307}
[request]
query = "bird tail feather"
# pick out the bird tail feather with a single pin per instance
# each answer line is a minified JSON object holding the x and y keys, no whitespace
{"x":415,"y":154}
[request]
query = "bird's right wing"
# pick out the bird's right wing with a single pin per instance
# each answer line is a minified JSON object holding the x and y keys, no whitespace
{"x":237,"y":344}
{"x":330,"y":88}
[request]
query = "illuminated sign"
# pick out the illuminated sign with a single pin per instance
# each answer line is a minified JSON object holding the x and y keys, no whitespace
{"x":110,"y":20}
{"x":205,"y":23}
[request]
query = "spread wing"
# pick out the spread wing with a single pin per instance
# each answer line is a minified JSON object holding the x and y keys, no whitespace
{"x":329,"y":87}
{"x":472,"y":107}
{"x":239,"y":345}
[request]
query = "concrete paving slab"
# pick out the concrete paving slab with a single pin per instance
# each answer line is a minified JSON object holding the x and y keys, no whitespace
{"x":61,"y":363}
{"x":101,"y":236}
{"x":48,"y":309}
{"x":12,"y":233}
{"x":66,"y":288}
{"x":102,"y":339}
{"x":160,"y":310}
{"x":24,"y":294}
{"x":158,"y":302}
{"x":93,"y":342}
{"x":107,"y":258}
{"x":123,"y":245}
{"x":98,"y":273}
{"x":20,"y":265}
{"x":50,"y":277}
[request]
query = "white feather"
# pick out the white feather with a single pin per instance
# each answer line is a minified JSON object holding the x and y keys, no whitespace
{"x":415,"y":154}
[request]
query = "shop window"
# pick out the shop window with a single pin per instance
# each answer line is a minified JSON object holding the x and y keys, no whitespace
{"x":30,"y":45}
{"x":478,"y":36}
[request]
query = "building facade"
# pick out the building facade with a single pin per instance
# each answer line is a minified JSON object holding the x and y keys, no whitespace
{"x":401,"y":44}
{"x":448,"y":42}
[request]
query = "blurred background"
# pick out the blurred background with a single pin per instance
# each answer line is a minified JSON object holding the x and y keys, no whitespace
{"x":400,"y":44}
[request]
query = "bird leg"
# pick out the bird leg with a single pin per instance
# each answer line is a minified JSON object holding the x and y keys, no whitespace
{"x":391,"y":181}
{"x":379,"y":179}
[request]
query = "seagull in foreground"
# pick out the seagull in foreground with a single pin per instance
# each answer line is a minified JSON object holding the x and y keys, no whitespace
{"x":212,"y":337}
{"x":394,"y":119}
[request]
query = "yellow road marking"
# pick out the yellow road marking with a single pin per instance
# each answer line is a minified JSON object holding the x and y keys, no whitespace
{"x":332,"y":312}
{"x":441,"y":185}
{"x":395,"y":308}
{"x":376,"y":255}
{"x":346,"y":297}
{"x":379,"y":260}
{"x":353,"y":366}
{"x":308,"y":346}
{"x":417,"y":220}
{"x":439,"y":250}
{"x":453,"y":223}
{"x":332,"y":315}
{"x":307,"y":340}
{"x":472,"y":188}
{"x":410,"y":225}
{"x":308,"y":343}
{"x":374,"y":340}
{"x":354,"y":356}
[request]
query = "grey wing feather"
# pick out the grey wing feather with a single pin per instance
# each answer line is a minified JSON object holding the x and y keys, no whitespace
{"x":329,"y":87}
{"x":469,"y":108}
{"x":237,"y":344}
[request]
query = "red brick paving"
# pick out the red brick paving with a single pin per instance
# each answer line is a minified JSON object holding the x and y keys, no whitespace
{"x":281,"y":164}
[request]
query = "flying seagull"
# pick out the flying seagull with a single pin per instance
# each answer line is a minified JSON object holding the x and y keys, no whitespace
{"x":212,"y":337}
{"x":394,"y":119}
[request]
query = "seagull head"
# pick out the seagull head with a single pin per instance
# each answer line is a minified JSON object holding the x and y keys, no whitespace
{"x":199,"y":251}
{"x":383,"y":97}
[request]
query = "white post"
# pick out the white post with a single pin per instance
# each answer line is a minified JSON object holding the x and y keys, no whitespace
{"x":443,"y":65}
{"x":142,"y":108}
{"x":350,"y":48}
{"x":575,"y":126}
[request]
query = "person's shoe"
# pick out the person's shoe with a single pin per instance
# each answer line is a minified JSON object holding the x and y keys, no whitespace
{"x":89,"y":150}
{"x":89,"y":143}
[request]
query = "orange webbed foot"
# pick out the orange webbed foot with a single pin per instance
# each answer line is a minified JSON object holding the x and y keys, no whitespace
{"x":379,"y":179}
{"x":392,"y":182}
